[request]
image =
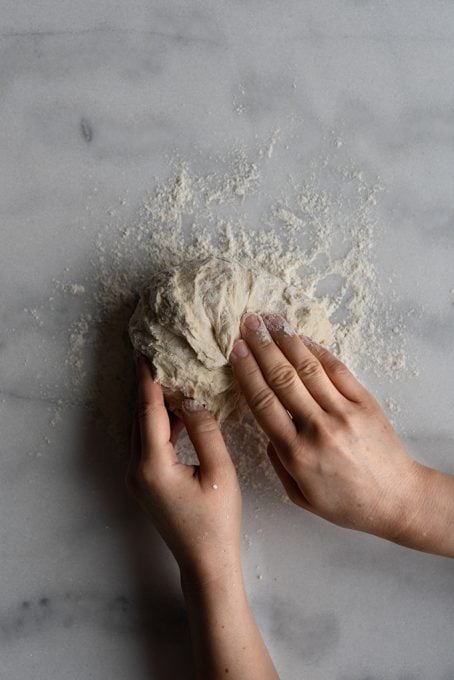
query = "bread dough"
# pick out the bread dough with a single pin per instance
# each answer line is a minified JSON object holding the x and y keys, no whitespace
{"x":188,"y":319}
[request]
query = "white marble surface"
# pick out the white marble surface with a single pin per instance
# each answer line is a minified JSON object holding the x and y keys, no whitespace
{"x":97,"y":95}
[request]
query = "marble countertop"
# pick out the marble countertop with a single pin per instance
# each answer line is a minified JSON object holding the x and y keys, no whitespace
{"x":98,"y":95}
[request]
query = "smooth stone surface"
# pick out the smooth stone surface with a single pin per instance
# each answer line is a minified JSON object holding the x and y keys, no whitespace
{"x":95,"y":96}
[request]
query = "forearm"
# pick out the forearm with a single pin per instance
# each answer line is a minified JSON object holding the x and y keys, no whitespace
{"x":226,"y":639}
{"x":428,"y":524}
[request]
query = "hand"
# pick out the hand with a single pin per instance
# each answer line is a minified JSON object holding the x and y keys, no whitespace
{"x":330,"y":443}
{"x":196,"y":508}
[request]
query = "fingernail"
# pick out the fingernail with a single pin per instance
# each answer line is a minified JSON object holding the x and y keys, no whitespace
{"x":252,"y":321}
{"x":273,"y":322}
{"x":239,"y":351}
{"x":192,"y":405}
{"x":276,"y":323}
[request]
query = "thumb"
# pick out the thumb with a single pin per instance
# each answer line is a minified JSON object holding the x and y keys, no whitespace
{"x":204,"y":433}
{"x":293,"y":491}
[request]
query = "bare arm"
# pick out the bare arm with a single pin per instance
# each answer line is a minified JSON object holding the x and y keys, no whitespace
{"x":226,"y":640}
{"x":336,"y":453}
{"x":197,"y":510}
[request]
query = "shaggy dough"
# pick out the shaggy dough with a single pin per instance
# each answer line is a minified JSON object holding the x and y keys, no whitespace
{"x":188,"y":319}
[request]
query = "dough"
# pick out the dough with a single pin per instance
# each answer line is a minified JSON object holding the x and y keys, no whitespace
{"x":188,"y":319}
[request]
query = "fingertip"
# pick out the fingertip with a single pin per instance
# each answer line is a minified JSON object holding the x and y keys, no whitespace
{"x":149,"y":391}
{"x":310,"y":343}
{"x":144,"y":366}
{"x":197,"y":418}
{"x":278,"y":325}
{"x":191,"y":406}
{"x":239,"y":351}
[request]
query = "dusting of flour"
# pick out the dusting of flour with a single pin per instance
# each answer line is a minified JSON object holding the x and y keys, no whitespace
{"x":308,"y":234}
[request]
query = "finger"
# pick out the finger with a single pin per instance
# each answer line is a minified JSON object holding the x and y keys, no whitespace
{"x":309,"y":370}
{"x":289,"y":484}
{"x":153,"y":418}
{"x":135,"y":441}
{"x":268,"y":410}
{"x":337,"y":372}
{"x":134,"y":453}
{"x":206,"y":437}
{"x":280,"y":375}
{"x":176,"y":426}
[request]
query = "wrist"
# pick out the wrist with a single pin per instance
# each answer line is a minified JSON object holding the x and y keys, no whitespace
{"x":431,"y":525}
{"x":408,"y":526}
{"x":212,"y":575}
{"x":221,"y":599}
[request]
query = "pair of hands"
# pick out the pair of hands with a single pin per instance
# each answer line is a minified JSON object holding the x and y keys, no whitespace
{"x":331,"y":445}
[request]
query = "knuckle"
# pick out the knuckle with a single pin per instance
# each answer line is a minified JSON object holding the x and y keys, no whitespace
{"x":207,"y":425}
{"x":324,"y":354}
{"x":308,"y":368}
{"x":336,"y":367}
{"x":282,"y":376}
{"x":366,"y":406}
{"x":249,"y":371}
{"x":335,"y":431}
{"x":288,"y":446}
{"x":339,"y":429}
{"x":344,"y":417}
{"x":262,"y":400}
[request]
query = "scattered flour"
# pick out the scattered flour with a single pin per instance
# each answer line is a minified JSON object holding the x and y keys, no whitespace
{"x":311,"y":235}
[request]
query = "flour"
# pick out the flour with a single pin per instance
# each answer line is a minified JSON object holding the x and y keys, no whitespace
{"x":316,"y":233}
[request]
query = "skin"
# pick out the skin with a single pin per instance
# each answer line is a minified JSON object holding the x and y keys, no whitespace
{"x":332,"y":446}
{"x":197,"y":510}
{"x":334,"y":451}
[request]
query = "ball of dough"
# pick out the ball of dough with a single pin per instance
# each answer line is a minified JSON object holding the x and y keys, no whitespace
{"x":188,"y":319}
